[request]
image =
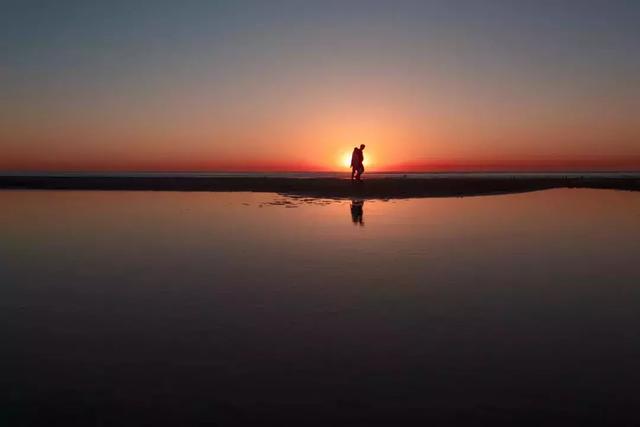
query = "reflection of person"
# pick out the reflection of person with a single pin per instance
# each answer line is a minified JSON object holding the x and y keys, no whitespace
{"x":357,"y":211}
{"x":357,"y":162}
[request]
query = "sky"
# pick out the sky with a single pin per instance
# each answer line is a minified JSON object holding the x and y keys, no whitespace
{"x":295,"y":85}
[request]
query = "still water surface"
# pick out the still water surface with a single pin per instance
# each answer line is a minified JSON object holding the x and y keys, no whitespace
{"x":241,"y":308}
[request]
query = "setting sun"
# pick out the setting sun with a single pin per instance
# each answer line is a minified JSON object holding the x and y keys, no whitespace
{"x":345,"y":160}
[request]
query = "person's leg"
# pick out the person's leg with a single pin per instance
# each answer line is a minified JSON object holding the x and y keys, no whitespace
{"x":353,"y":171}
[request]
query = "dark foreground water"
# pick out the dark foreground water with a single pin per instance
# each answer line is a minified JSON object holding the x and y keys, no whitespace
{"x":123,"y":308}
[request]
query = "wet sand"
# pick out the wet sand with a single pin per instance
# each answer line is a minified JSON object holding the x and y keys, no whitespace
{"x":372,"y":187}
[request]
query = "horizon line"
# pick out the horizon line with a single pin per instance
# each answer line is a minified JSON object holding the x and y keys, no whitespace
{"x":302,"y":171}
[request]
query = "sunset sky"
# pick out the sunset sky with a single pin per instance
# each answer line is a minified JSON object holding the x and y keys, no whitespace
{"x":294,"y":85}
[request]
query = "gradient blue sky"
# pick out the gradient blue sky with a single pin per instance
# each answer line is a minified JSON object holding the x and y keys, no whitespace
{"x":195,"y":85}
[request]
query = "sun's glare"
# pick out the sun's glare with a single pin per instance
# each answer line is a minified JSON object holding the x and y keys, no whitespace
{"x":345,"y":160}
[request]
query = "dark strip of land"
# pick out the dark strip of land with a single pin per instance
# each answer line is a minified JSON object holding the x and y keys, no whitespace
{"x":373,"y":188}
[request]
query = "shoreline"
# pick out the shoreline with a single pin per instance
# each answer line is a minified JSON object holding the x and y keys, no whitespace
{"x":369,"y":188}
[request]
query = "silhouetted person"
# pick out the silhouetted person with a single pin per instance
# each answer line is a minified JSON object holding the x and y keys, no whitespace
{"x":357,"y":160}
{"x":357,"y":212}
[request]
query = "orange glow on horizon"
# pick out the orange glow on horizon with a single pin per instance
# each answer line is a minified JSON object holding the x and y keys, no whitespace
{"x":309,"y":151}
{"x":339,"y":163}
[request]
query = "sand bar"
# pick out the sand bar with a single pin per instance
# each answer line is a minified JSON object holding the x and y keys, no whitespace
{"x":372,"y":187}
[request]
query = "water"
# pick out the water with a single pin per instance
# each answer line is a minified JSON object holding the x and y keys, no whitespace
{"x":335,"y":174}
{"x":135,"y":308}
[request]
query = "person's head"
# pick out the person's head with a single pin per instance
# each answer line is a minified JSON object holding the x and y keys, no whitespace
{"x":362,"y":146}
